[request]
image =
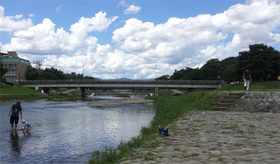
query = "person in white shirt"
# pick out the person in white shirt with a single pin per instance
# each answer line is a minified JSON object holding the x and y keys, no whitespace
{"x":27,"y":125}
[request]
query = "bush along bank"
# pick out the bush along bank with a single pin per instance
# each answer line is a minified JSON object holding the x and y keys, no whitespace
{"x":168,"y":109}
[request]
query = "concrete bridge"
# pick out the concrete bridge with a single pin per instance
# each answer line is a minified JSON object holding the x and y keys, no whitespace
{"x":117,"y":84}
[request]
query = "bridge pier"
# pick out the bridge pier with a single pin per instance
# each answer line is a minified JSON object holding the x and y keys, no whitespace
{"x":82,"y":92}
{"x":156,"y":91}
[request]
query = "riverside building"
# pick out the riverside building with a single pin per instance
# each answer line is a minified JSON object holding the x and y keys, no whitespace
{"x":16,"y":66}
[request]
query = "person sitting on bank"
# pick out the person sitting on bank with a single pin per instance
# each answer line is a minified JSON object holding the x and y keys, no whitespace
{"x":163,"y":131}
{"x":27,"y":126}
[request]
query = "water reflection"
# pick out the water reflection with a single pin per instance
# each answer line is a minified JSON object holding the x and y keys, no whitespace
{"x":15,"y":142}
{"x":26,"y":133}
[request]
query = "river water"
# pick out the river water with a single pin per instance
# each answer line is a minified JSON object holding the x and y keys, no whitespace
{"x":69,"y":132}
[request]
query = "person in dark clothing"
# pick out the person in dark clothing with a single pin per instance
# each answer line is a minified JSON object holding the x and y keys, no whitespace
{"x":247,"y":79}
{"x":163,"y":131}
{"x":15,"y":110}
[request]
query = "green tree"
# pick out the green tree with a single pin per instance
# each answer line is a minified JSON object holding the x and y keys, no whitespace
{"x":193,"y":74}
{"x":261,"y":60}
{"x":163,"y":77}
{"x":210,"y":70}
{"x":228,"y":69}
{"x":51,"y":74}
{"x":179,"y":75}
{"x":31,"y":73}
{"x":3,"y":71}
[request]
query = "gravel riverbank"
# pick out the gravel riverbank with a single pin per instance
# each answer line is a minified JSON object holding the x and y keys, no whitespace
{"x":216,"y":137}
{"x":244,"y":135}
{"x":122,"y":101}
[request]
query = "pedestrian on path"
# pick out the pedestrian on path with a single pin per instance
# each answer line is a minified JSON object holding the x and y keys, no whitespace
{"x":247,"y":78}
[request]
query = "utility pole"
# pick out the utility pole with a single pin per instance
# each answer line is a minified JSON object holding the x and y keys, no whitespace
{"x":155,"y":72}
{"x":38,"y":64}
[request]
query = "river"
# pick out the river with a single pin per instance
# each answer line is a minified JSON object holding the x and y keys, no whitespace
{"x":69,"y":131}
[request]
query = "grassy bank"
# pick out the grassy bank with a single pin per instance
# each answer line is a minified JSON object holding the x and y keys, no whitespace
{"x":170,"y":108}
{"x":254,"y":86}
{"x":17,"y":92}
{"x":16,"y":89}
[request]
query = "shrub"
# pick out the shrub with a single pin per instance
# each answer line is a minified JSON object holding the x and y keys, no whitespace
{"x":10,"y":83}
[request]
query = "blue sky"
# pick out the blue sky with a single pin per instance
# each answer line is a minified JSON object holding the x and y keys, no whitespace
{"x":135,"y":38}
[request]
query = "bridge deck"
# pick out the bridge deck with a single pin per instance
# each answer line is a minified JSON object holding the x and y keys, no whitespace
{"x":129,"y":84}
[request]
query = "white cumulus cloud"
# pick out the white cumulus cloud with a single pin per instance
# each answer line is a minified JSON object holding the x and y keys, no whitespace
{"x":190,"y":42}
{"x":44,"y":38}
{"x":13,"y":23}
{"x":132,"y":9}
{"x":129,"y":9}
{"x":143,"y":49}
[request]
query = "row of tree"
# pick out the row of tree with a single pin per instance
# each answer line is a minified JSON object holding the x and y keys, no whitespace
{"x":262,"y":61}
{"x":51,"y":74}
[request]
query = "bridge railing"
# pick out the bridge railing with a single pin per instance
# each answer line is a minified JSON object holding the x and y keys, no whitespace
{"x":91,"y":81}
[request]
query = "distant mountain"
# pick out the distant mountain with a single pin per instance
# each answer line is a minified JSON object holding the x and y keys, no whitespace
{"x":126,"y":79}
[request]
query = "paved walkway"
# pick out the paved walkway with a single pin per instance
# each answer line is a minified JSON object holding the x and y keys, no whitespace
{"x":216,"y":137}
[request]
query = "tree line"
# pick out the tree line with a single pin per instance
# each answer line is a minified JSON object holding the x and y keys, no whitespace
{"x":261,"y":60}
{"x":51,"y":74}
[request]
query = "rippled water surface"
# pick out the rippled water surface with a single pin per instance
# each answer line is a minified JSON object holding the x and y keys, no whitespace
{"x":69,"y":132}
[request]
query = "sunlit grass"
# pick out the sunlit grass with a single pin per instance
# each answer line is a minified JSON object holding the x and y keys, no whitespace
{"x":17,"y":92}
{"x":254,"y":86}
{"x":16,"y":89}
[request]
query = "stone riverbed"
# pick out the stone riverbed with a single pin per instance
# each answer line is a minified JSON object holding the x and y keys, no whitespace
{"x":237,"y":137}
